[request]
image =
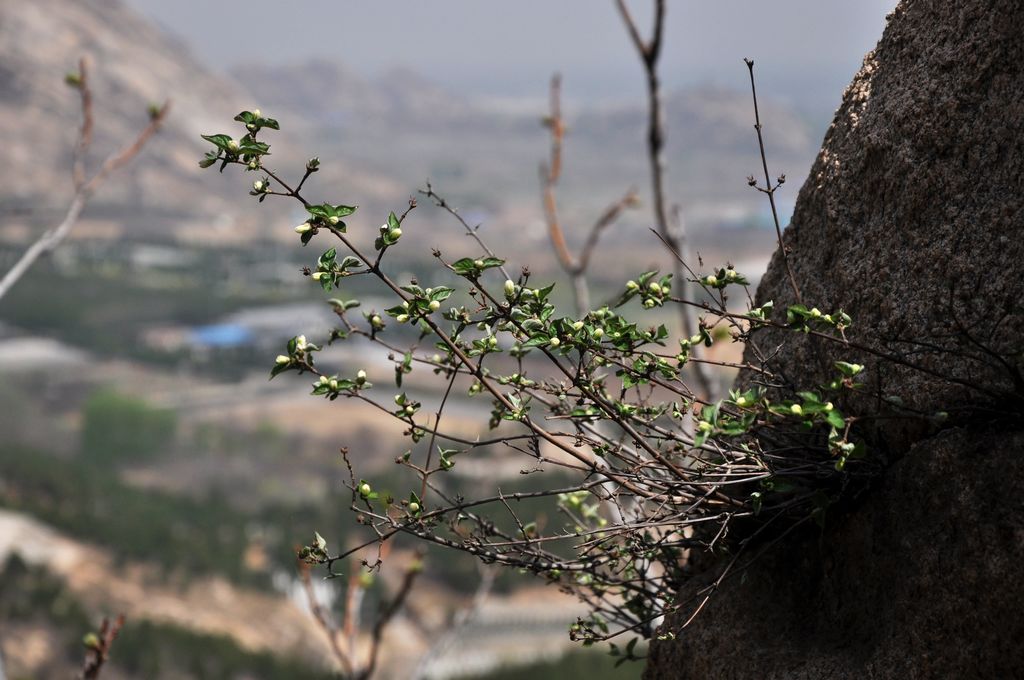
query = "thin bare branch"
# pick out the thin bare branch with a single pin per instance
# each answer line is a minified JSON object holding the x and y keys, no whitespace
{"x":331,"y":632}
{"x":462,"y":618}
{"x":672,"y":231}
{"x":768,"y":188}
{"x":85,"y":133}
{"x":84,"y":187}
{"x":550,"y":173}
{"x":98,"y":648}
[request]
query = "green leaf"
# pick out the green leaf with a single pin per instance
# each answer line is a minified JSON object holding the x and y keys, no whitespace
{"x":848,"y":369}
{"x":220,"y":141}
{"x":835,"y":419}
{"x":343,"y":305}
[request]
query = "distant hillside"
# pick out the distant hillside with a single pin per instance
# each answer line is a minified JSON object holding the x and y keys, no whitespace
{"x":322,"y":92}
{"x":403,"y":126}
{"x":379,"y":138}
{"x":133,"y":63}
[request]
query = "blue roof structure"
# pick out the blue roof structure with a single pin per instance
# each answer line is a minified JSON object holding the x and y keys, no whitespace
{"x":221,"y":335}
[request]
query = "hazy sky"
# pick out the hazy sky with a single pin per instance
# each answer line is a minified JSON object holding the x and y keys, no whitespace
{"x":806,"y":50}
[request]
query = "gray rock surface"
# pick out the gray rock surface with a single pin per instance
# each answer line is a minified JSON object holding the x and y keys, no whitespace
{"x":912,"y":220}
{"x":922,"y":581}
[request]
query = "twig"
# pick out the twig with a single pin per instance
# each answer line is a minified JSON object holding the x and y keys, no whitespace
{"x":768,"y":188}
{"x":84,"y":187}
{"x":461,"y":619}
{"x":98,"y":652}
{"x":341,"y":654}
{"x":343,"y":640}
{"x":550,"y":173}
{"x":385,"y":618}
{"x":672,"y":232}
{"x":442,"y":202}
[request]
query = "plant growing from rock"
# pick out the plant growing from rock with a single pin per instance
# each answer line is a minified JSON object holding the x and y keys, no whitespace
{"x":650,"y":469}
{"x":652,"y":476}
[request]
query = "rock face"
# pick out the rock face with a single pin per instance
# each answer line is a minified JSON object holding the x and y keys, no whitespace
{"x":922,"y":581}
{"x":912,"y":220}
{"x":912,"y":216}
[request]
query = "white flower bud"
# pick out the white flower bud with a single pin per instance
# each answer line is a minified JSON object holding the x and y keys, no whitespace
{"x":414,"y":507}
{"x":303,"y":228}
{"x":233,"y":145}
{"x":434,"y":305}
{"x":796,"y":409}
{"x":333,"y":219}
{"x":361,"y":376}
{"x":829,"y":407}
{"x":655,"y":287}
{"x":364,"y":489}
{"x":730,"y":274}
{"x":258,"y":185}
{"x":598,"y":333}
{"x":510,"y":287}
{"x":281,"y":360}
{"x":741,"y":401}
{"x":577,"y":325}
{"x":300,"y":342}
{"x":333,"y":384}
{"x":704,"y":426}
{"x":316,"y":276}
{"x":257,"y":113}
{"x":479,"y":263}
{"x":555,"y":342}
{"x":816,"y":312}
{"x":402,"y":318}
{"x":711,"y":280}
{"x":395,"y":233}
{"x":632,"y":285}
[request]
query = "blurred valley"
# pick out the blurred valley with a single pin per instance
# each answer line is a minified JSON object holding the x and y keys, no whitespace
{"x":147,"y":465}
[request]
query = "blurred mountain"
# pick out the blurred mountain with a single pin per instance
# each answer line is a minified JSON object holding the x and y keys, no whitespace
{"x":379,"y":137}
{"x":327,"y":93}
{"x":403,"y":126}
{"x":132,"y":64}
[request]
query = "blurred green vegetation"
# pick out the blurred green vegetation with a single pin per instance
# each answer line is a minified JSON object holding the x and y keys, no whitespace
{"x":89,"y":503}
{"x":30,"y":595}
{"x":117,"y":427}
{"x":592,"y":665}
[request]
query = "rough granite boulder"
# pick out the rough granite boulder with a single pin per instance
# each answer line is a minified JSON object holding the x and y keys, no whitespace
{"x":912,"y":220}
